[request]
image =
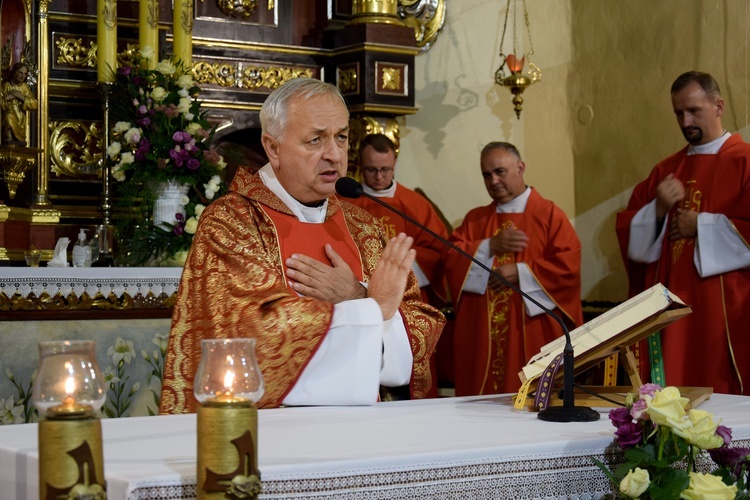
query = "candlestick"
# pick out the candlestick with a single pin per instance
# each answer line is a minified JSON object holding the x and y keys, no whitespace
{"x":68,"y":391}
{"x":182,"y":32}
{"x":227,"y":384}
{"x":148,"y":32}
{"x":106,"y":40}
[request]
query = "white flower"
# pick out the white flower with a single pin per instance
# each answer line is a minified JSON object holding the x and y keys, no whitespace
{"x":127,"y":158}
{"x":147,"y":52}
{"x":183,"y":93}
{"x":10,"y":413}
{"x":165,"y":67}
{"x":136,"y":387}
{"x":121,"y":127}
{"x":184,"y":105}
{"x":189,"y":116}
{"x":161,"y":340}
{"x":133,"y":135}
{"x":199,"y":208}
{"x":191,"y":225}
{"x":192,"y":128}
{"x":159,"y":94}
{"x":114,"y":149}
{"x":185,"y":81}
{"x":221,"y":163}
{"x":122,"y":351}
{"x":109,"y":376}
{"x":210,"y":193}
{"x":184,"y":200}
{"x":118,"y":173}
{"x":215,"y":180}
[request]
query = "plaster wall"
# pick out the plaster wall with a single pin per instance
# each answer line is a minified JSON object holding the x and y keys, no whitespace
{"x":594,"y":126}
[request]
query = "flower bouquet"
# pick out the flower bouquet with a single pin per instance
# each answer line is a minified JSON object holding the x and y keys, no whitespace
{"x":661,"y":440}
{"x":160,"y":138}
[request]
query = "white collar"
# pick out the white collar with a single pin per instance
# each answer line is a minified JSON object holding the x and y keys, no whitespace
{"x":314,"y":215}
{"x":388,"y":192}
{"x":710,"y":148}
{"x":515,"y":206}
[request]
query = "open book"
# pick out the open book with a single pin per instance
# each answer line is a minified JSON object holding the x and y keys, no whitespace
{"x":619,"y":327}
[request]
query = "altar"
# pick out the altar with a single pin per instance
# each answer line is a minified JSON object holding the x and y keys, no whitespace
{"x":473,"y":447}
{"x":126,"y":311}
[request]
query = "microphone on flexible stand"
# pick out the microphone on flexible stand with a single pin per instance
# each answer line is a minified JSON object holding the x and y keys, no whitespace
{"x":568,"y":412}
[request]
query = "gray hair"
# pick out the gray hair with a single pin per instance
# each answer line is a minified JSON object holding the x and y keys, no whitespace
{"x":505,"y":146}
{"x":273,"y":113}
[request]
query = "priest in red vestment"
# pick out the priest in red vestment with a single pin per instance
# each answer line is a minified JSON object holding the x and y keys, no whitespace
{"x":529,"y":241}
{"x":377,"y":155}
{"x":687,"y":226}
{"x":333,"y":304}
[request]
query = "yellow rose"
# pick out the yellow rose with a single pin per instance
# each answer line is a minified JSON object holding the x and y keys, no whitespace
{"x":702,"y":430}
{"x":191,"y":225}
{"x":666,"y":405}
{"x":635,"y":483}
{"x":708,"y":487}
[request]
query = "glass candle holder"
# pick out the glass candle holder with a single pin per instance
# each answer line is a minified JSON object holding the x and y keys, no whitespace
{"x":68,"y":392}
{"x":227,"y":385}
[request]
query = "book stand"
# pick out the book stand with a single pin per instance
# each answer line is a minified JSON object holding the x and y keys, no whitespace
{"x":620,"y":344}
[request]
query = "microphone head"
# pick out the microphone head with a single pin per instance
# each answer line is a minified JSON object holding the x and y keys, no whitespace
{"x":348,"y":188}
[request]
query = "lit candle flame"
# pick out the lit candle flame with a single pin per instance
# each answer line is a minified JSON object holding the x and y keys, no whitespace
{"x":70,"y":386}
{"x":228,"y":382}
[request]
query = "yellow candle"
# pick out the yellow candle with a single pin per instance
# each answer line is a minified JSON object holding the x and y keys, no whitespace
{"x":182,"y":30}
{"x":106,"y":40}
{"x":148,"y":31}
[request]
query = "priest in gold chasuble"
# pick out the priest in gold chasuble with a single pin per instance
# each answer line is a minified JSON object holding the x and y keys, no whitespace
{"x":334,"y":307}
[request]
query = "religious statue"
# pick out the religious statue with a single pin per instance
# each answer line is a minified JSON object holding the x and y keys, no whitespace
{"x":16,"y":98}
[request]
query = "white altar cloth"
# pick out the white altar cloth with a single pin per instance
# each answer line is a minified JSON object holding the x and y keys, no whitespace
{"x":476,"y":447}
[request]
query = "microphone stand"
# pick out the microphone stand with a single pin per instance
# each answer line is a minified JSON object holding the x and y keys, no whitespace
{"x":568,"y":412}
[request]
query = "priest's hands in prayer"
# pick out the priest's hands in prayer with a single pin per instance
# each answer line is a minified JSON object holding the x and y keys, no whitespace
{"x":668,"y":192}
{"x":332,"y":283}
{"x":507,"y":271}
{"x":684,"y":224}
{"x":388,"y":282}
{"x":508,"y":241}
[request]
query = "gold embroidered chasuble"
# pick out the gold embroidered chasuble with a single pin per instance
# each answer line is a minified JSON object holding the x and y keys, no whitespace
{"x":233,"y":285}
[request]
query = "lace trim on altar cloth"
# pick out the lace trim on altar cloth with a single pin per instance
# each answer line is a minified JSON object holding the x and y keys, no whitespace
{"x":91,"y":281}
{"x":569,"y":477}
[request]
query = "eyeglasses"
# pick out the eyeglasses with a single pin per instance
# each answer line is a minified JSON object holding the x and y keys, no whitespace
{"x":376,"y":171}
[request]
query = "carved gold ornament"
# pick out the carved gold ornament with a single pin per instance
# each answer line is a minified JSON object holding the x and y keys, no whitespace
{"x":240,"y":75}
{"x":15,"y":161}
{"x":72,"y":52}
{"x":239,"y":9}
{"x":426,"y":17}
{"x":75,"y":148}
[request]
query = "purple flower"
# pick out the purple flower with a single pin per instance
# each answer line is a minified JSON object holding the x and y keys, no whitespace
{"x":178,"y":229}
{"x":638,"y":411}
{"x":177,"y":136}
{"x":731,"y":458}
{"x":144,"y":122}
{"x":176,"y":157}
{"x":649,"y":389}
{"x":142,"y":109}
{"x":620,"y":417}
{"x":179,"y":217}
{"x":628,"y":435}
{"x":143,"y":149}
{"x":125,"y":70}
{"x":193,"y":164}
{"x":725,"y":433}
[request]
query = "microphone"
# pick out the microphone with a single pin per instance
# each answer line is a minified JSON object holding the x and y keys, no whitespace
{"x":568,"y":412}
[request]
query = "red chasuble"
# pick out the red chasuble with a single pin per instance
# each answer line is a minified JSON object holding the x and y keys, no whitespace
{"x":494,"y":337}
{"x":417,"y":207}
{"x":711,"y":347}
{"x":233,"y":285}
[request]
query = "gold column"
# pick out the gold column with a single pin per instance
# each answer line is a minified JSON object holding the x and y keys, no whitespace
{"x":182,"y":31}
{"x":106,"y":40}
{"x":375,"y":11}
{"x":41,"y":197}
{"x":148,"y":30}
